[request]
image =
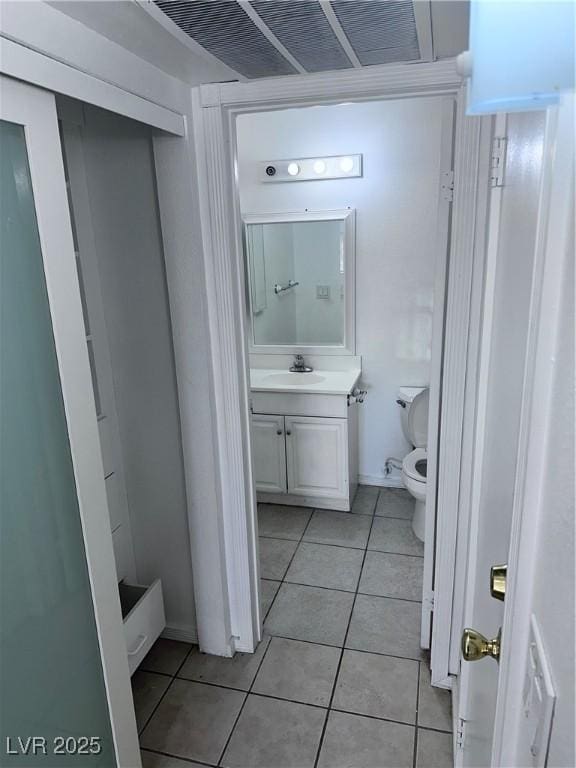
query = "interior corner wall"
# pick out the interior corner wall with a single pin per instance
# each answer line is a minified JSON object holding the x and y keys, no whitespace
{"x":396,"y":201}
{"x":124,"y":209}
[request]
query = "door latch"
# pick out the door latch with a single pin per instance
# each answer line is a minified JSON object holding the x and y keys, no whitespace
{"x":498,"y":575}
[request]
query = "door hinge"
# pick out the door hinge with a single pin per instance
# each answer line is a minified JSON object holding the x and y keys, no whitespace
{"x":498,"y":161}
{"x":460,"y":733}
{"x":447,"y":185}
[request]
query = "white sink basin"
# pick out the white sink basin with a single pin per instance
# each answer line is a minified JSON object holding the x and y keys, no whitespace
{"x":294,"y":378}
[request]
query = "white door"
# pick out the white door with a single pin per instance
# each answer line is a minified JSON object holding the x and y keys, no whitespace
{"x":317,"y":456}
{"x":518,"y":211}
{"x":269,"y":453}
{"x":66,"y":680}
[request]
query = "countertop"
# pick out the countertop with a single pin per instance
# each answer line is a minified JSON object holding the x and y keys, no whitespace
{"x":317,"y":382}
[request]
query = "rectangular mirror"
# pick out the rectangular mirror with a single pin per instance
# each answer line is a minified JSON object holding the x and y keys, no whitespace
{"x":300,"y":269}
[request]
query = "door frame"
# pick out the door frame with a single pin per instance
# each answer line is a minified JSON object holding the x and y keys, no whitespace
{"x":215,"y":108}
{"x":36,"y":110}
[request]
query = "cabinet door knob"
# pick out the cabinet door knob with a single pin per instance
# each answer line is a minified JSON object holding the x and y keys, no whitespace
{"x":288,"y":432}
{"x":278,"y":431}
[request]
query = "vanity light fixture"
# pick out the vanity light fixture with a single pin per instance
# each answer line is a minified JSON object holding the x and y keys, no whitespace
{"x":319,"y":167}
{"x":347,"y":164}
{"x":311,"y":168}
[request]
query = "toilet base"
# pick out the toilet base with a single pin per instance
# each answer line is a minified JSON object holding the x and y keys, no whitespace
{"x":419,"y":519}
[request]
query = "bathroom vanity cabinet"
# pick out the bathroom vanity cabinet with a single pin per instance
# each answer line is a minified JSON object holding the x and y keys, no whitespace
{"x":305,"y":444}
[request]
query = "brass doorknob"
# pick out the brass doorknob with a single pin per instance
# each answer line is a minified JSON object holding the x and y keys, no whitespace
{"x":475,"y":646}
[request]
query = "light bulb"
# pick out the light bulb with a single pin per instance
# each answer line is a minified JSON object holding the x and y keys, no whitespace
{"x":319,"y":166}
{"x":293,"y":169}
{"x":346,"y":164}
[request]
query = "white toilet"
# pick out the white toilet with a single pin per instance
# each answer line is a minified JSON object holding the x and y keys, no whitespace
{"x":414,"y":416}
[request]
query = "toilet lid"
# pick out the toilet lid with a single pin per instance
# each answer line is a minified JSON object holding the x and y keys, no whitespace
{"x":418,"y":419}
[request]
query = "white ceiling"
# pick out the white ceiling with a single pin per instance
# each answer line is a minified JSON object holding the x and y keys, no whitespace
{"x":304,"y":39}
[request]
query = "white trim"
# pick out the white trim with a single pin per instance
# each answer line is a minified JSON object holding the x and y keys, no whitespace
{"x":269,"y":35}
{"x":554,"y":250}
{"x":423,"y":19}
{"x":214,"y":120}
{"x":181,"y":204}
{"x":38,"y":69}
{"x":39,"y":27}
{"x":386,"y":81}
{"x":230,"y":377}
{"x":380,"y":481}
{"x":482,"y":307}
{"x":36,"y":110}
{"x":340,"y":34}
{"x":436,"y":365}
{"x":348,"y":347}
{"x":466,"y":169}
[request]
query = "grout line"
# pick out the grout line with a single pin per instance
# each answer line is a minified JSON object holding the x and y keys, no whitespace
{"x":391,"y":552}
{"x":174,"y":677}
{"x":160,"y":700}
{"x":270,"y":641}
{"x":390,"y":597}
{"x":153,"y":672}
{"x":372,"y":717}
{"x":317,"y":543}
{"x":337,"y":675}
{"x":178,"y":757}
{"x":357,"y":650}
{"x":248,"y":692}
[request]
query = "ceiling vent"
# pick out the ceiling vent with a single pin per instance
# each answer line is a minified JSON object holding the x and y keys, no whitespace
{"x":224,"y":29}
{"x":302,"y":27}
{"x":267,"y":38}
{"x":379,"y":32}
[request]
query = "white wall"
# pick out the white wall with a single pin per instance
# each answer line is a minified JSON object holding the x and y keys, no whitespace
{"x":122,"y":192}
{"x":396,"y":203}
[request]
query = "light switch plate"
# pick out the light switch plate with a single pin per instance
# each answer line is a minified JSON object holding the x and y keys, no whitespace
{"x":538,"y":698}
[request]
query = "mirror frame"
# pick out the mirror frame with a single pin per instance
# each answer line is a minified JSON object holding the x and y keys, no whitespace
{"x":348,"y":216}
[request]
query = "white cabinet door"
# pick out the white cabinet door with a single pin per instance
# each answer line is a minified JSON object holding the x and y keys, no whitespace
{"x":269,"y":453}
{"x":317,"y":456}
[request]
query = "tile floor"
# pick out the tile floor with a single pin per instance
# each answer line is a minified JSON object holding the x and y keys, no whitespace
{"x":339,"y":679}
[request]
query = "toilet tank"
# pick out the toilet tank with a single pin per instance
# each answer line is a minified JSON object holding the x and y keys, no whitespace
{"x":414,"y":414}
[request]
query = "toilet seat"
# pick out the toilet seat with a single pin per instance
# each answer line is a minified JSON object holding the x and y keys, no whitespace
{"x":409,"y":465}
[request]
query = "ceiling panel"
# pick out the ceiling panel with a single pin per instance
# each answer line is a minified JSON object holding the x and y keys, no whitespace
{"x":266,"y":38}
{"x":226,"y":31}
{"x":304,"y":30}
{"x":379,"y":31}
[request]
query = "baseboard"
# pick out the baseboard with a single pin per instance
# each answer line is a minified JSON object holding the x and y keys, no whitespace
{"x":382,"y":482}
{"x":291,"y":500}
{"x":182,"y":634}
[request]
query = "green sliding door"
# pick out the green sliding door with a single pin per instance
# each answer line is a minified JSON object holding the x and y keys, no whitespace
{"x":51,"y":678}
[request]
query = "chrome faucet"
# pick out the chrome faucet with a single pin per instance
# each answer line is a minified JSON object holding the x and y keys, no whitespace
{"x":299,"y":365}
